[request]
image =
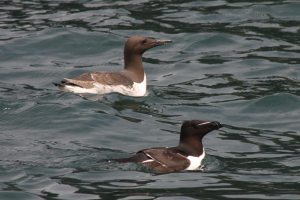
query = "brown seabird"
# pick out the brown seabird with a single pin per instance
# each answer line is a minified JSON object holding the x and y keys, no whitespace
{"x":130,"y":81}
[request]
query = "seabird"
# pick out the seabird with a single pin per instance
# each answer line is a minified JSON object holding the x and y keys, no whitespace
{"x":130,"y":81}
{"x":188,"y":155}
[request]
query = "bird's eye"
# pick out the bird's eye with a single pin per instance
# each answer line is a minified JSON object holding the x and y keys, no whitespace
{"x":144,"y":41}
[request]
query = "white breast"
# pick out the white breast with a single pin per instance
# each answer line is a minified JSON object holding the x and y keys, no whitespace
{"x":195,"y":162}
{"x":138,"y":89}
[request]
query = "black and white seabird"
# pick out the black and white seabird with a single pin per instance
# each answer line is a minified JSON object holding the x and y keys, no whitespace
{"x":130,"y":81}
{"x":188,"y":155}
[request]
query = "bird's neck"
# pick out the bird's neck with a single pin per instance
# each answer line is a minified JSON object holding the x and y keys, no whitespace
{"x":134,"y":64}
{"x":193,"y":145}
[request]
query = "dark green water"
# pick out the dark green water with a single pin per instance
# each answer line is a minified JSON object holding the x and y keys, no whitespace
{"x":237,"y":62}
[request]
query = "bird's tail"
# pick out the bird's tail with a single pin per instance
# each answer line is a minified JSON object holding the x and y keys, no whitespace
{"x":123,"y":160}
{"x":59,"y":85}
{"x":137,"y":158}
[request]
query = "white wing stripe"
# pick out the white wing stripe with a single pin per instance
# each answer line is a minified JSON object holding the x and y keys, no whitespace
{"x":153,"y":159}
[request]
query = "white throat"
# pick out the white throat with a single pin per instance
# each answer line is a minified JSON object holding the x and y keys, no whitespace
{"x":195,"y":162}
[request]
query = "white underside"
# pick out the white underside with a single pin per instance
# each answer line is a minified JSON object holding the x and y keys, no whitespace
{"x":195,"y":162}
{"x":137,"y":89}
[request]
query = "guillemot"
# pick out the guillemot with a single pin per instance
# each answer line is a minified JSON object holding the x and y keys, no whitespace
{"x":188,"y":155}
{"x":130,"y":81}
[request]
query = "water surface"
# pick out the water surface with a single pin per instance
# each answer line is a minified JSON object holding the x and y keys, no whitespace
{"x":236,"y":62}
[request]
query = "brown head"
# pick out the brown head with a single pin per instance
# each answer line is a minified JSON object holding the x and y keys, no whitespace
{"x":193,"y":131}
{"x":134,"y":48}
{"x":139,"y":44}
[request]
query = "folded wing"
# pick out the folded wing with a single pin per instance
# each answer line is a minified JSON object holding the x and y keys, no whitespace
{"x":87,"y":80}
{"x":165,"y":160}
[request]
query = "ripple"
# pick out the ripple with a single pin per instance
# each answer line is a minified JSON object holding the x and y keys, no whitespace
{"x":235,"y":62}
{"x":14,"y":195}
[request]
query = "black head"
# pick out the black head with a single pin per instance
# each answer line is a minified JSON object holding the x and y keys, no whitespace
{"x":197,"y":129}
{"x":140,"y":44}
